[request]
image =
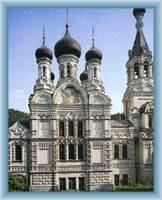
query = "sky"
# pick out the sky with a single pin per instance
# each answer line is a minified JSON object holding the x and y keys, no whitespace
{"x":114,"y":35}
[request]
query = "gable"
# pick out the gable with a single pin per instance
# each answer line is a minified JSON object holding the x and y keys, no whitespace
{"x":17,"y":131}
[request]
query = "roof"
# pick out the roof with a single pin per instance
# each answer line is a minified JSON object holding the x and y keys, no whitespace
{"x":120,"y":123}
{"x":67,"y":45}
{"x":18,"y":124}
{"x":146,"y":107}
{"x":140,"y":45}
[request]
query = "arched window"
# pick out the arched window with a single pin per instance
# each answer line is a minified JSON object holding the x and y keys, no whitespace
{"x":146,"y":65}
{"x":80,"y":152}
{"x":44,"y":71}
{"x":18,"y":153}
{"x":116,"y":151}
{"x":136,"y":70}
{"x":71,"y":128}
{"x":62,"y":152}
{"x":80,"y":129}
{"x":150,"y":121}
{"x":62,"y":182}
{"x":81,"y":184}
{"x":72,"y":183}
{"x":125,"y":155}
{"x":62,"y":71}
{"x":61,"y":128}
{"x":116,"y":179}
{"x":68,"y":71}
{"x":95,"y":72}
{"x":71,"y":152}
{"x":125,"y":179}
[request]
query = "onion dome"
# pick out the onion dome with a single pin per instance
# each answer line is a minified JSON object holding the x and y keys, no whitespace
{"x":67,"y":45}
{"x":84,"y":76}
{"x":93,"y":52}
{"x":43,"y":51}
{"x":52,"y":76}
{"x":138,"y":11}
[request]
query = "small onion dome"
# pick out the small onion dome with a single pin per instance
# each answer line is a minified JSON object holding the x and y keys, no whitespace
{"x":67,"y":45}
{"x":93,"y":53}
{"x":52,"y":76}
{"x":84,"y":76}
{"x":139,"y":11}
{"x":42,"y":52}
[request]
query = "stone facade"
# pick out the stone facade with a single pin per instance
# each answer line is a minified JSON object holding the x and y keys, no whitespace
{"x":73,"y":144}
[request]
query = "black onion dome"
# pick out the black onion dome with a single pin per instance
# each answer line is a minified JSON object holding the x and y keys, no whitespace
{"x":67,"y":45}
{"x":84,"y":76}
{"x":43,"y":51}
{"x":139,"y":11}
{"x":93,"y":53}
{"x":52,"y":76}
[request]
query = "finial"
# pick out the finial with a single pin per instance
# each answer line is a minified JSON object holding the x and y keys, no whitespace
{"x":138,"y":14}
{"x":67,"y":15}
{"x":44,"y":35}
{"x":93,"y":36}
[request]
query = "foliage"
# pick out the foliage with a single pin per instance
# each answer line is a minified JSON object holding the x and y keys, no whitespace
{"x":17,"y":183}
{"x":16,"y":115}
{"x":118,"y":116}
{"x":134,"y":187}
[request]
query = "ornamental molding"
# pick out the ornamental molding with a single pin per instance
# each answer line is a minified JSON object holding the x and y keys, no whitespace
{"x":44,"y":116}
{"x":97,"y":145}
{"x":18,"y":131}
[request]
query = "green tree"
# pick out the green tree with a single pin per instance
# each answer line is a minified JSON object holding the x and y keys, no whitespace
{"x":17,"y":183}
{"x":118,"y":116}
{"x":16,"y":115}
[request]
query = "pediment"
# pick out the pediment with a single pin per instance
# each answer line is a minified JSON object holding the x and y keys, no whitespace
{"x":17,"y":131}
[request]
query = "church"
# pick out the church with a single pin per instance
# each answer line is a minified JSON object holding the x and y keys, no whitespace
{"x":73,"y":144}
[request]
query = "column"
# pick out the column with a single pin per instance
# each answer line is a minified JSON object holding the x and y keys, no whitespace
{"x":141,"y":70}
{"x":65,"y":71}
{"x":23,"y":152}
{"x":39,"y":72}
{"x":150,"y":71}
{"x":56,"y":181}
{"x":54,"y":128}
{"x":66,"y":128}
{"x":66,"y":151}
{"x":72,"y":72}
{"x":86,"y":133}
{"x":120,"y":151}
{"x":76,"y":151}
{"x":120,"y":179}
{"x":34,"y":127}
{"x":97,"y":72}
{"x":60,"y":68}
{"x":128,"y":75}
{"x":132,"y":73}
{"x":67,"y":184}
{"x":48,"y":72}
{"x":76,"y":128}
{"x":77,"y":183}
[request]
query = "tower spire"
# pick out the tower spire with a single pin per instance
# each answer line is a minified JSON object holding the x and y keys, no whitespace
{"x":67,"y":20}
{"x":44,"y":38}
{"x":93,"y":36}
{"x":140,"y":45}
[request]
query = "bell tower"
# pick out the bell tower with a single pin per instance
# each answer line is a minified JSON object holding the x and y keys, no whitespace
{"x":139,"y":72}
{"x":67,"y":52}
{"x":91,"y":77}
{"x":46,"y":77}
